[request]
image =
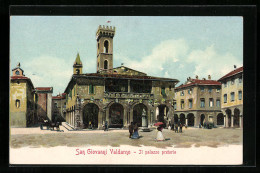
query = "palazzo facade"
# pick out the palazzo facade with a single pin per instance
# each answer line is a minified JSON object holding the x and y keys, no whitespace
{"x":118,"y":95}
{"x":232,"y":98}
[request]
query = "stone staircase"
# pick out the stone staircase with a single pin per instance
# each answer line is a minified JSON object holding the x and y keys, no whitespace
{"x":67,"y":126}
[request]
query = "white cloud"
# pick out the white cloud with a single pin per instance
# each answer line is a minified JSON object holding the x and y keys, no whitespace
{"x":47,"y":71}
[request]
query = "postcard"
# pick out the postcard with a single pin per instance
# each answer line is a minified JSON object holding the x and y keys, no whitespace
{"x":126,"y":90}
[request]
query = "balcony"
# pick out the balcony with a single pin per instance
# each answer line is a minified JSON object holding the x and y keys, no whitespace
{"x":125,"y":95}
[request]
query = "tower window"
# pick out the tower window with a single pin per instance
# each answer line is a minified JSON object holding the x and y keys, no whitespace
{"x":105,"y":64}
{"x":77,"y":71}
{"x":17,"y":103}
{"x":106,"y":46}
{"x":17,"y":72}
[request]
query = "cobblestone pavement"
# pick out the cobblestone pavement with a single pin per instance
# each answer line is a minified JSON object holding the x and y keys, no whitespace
{"x":34,"y":137}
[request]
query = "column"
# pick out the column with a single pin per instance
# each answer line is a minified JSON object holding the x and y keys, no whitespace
{"x":131,"y":116}
{"x":186,"y":121}
{"x":225,"y":121}
{"x":125,"y":118}
{"x":129,"y":87}
{"x":240,"y":121}
{"x":99,"y":119}
{"x":232,"y":120}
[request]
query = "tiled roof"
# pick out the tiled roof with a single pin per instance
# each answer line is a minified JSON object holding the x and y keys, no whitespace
{"x":126,"y":76}
{"x":43,"y":88}
{"x":199,"y":82}
{"x":22,"y":78}
{"x":232,"y":73}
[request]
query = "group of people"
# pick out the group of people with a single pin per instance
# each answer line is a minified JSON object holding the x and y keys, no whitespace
{"x":177,"y":127}
{"x":133,"y":130}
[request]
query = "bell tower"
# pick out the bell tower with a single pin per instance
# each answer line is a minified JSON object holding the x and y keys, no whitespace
{"x":77,"y":66}
{"x":104,"y":36}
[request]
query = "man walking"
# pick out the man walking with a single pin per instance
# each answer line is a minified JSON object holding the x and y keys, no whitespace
{"x":176,"y":127}
{"x":131,"y":129}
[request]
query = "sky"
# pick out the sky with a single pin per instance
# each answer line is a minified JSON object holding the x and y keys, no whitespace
{"x":175,"y":47}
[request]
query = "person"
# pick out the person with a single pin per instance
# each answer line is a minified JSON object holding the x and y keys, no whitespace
{"x":180,"y":127}
{"x":135,"y":134}
{"x":172,"y":126}
{"x":131,"y":129}
{"x":90,"y":125}
{"x":159,"y":134}
{"x":106,"y":126}
{"x":199,"y":125}
{"x":186,"y":126}
{"x":176,"y":127}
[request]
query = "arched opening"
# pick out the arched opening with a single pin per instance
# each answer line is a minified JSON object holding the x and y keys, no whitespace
{"x":190,"y":119}
{"x":163,"y":111}
{"x":137,"y":114}
{"x":175,"y":118}
{"x":77,"y":71}
{"x":90,"y":115}
{"x":105,"y":64}
{"x":202,"y":119}
{"x":116,"y":112}
{"x":106,"y":46}
{"x":220,"y":119}
{"x":17,"y":103}
{"x":228,"y":112}
{"x":182,"y":118}
{"x":236,"y":117}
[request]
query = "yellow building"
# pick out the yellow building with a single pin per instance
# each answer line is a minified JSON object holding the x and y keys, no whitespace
{"x":232,"y":97}
{"x":198,"y":102}
{"x":118,"y":95}
{"x":22,"y":99}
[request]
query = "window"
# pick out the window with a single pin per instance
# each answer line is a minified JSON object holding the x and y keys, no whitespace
{"x":17,"y":103}
{"x":170,"y":87}
{"x":17,"y":72}
{"x":91,"y":89}
{"x":202,"y":88}
{"x":74,"y":91}
{"x":190,"y":103}
{"x":240,"y":95}
{"x":77,"y":71}
{"x":225,"y":84}
{"x":182,"y":104}
{"x":225,"y":98}
{"x":98,"y":45}
{"x":202,"y":103}
{"x":190,"y":91}
{"x":218,"y":90}
{"x":163,"y":91}
{"x":232,"y":81}
{"x":175,"y":105}
{"x":64,"y":105}
{"x":218,"y":103}
{"x":106,"y":46}
{"x":182,"y":93}
{"x":105,"y":64}
{"x":55,"y":104}
{"x":240,"y":79}
{"x":70,"y":93}
{"x":210,"y":89}
{"x":211,"y":102}
{"x":232,"y":95}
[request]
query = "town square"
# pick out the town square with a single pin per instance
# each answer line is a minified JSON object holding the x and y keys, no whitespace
{"x":127,"y":83}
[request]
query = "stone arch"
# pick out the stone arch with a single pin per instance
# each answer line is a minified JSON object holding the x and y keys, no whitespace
{"x":116,"y":115}
{"x":228,"y":113}
{"x":106,"y":64}
{"x":106,"y":46}
{"x":182,"y":118}
{"x":220,"y":119}
{"x":236,"y":117}
{"x":90,"y":115}
{"x":163,"y":111}
{"x":137,"y":114}
{"x":191,"y":119}
{"x":202,"y":119}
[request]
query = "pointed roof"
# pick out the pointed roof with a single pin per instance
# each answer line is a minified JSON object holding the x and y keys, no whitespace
{"x":17,"y":67}
{"x":78,"y":61}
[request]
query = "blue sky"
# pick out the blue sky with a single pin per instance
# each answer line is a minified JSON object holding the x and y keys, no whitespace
{"x":164,"y":46}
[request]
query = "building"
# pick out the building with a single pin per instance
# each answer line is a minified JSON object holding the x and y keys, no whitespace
{"x":117,"y":95}
{"x":44,"y":103}
{"x":59,"y":107}
{"x":232,"y":98}
{"x":22,"y":99}
{"x":198,"y":101}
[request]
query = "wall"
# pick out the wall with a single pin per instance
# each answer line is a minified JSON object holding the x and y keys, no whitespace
{"x":18,"y":115}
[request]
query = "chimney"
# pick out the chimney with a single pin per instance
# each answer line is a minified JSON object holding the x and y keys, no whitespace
{"x":203,"y":78}
{"x":235,"y":66}
{"x":209,"y":77}
{"x":197,"y":77}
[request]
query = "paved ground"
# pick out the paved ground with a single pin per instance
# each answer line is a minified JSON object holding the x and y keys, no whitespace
{"x":34,"y":137}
